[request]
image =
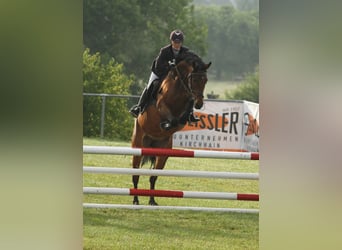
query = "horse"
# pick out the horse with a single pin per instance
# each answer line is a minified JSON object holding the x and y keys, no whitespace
{"x":182,"y":89}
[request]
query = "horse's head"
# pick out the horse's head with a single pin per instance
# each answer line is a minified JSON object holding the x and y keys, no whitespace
{"x":186,"y":81}
{"x":197,"y":78}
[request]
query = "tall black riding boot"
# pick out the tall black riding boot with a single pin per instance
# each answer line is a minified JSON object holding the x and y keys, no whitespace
{"x":145,"y":97}
{"x":138,"y":108}
{"x":192,"y":117}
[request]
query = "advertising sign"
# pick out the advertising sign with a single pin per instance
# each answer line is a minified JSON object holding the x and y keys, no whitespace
{"x":227,"y":126}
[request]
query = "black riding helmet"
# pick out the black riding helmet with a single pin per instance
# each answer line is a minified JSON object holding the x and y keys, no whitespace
{"x":177,"y":36}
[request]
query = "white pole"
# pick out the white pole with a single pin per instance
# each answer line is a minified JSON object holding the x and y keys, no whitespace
{"x":181,"y":173}
{"x":111,"y":150}
{"x":138,"y":207}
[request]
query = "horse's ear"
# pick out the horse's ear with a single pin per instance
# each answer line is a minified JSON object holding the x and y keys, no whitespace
{"x":207,"y":65}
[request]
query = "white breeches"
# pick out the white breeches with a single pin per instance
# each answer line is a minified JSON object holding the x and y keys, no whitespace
{"x":152,"y":78}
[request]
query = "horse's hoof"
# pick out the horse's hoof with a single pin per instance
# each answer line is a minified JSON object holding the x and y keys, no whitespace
{"x":135,"y":202}
{"x":153,"y":203}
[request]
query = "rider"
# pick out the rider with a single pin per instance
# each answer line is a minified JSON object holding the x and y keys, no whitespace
{"x":160,"y":67}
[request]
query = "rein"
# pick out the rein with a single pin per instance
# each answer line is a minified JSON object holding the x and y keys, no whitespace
{"x":191,"y":81}
{"x":187,"y":87}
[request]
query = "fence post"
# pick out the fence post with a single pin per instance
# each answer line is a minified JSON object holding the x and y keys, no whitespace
{"x":103,"y":114}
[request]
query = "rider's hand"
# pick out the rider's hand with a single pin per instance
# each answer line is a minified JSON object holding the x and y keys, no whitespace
{"x":172,"y":63}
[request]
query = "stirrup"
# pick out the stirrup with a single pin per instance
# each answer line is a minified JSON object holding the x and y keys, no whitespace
{"x":135,"y":111}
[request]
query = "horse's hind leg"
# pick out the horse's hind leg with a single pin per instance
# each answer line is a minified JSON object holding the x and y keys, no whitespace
{"x":136,"y":143}
{"x":135,"y":178}
{"x":159,"y":164}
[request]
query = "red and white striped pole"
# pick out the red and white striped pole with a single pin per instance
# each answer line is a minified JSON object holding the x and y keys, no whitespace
{"x":170,"y":193}
{"x":170,"y":152}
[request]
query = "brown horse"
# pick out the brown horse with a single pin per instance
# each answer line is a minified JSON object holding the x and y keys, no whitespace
{"x":181,"y":90}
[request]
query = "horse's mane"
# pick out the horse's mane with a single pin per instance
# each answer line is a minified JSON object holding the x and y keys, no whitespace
{"x":192,"y":58}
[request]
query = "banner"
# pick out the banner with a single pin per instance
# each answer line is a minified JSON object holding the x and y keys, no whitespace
{"x":228,"y":126}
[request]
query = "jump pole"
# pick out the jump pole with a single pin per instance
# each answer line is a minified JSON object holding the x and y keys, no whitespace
{"x":170,"y":193}
{"x":180,"y":173}
{"x":139,"y":207}
{"x":170,"y":152}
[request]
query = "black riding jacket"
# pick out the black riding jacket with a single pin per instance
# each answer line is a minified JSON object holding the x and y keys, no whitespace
{"x":160,"y":65}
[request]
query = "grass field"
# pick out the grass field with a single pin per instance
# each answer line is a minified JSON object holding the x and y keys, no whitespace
{"x":144,"y":229}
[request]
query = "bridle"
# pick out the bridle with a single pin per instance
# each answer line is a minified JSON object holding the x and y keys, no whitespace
{"x":189,"y":82}
{"x":203,"y":74}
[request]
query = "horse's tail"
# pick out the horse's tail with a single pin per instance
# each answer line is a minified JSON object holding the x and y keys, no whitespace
{"x":146,"y":159}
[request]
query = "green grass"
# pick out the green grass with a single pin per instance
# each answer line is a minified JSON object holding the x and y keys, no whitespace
{"x":144,"y":229}
{"x":120,"y":229}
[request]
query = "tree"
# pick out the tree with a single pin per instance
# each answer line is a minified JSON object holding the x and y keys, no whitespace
{"x":247,"y":5}
{"x":243,"y":43}
{"x":105,"y":78}
{"x":216,"y":19}
{"x":248,"y":90}
{"x":133,"y":31}
{"x":233,"y":39}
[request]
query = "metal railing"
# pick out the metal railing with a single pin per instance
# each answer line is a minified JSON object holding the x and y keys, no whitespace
{"x":103,"y":105}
